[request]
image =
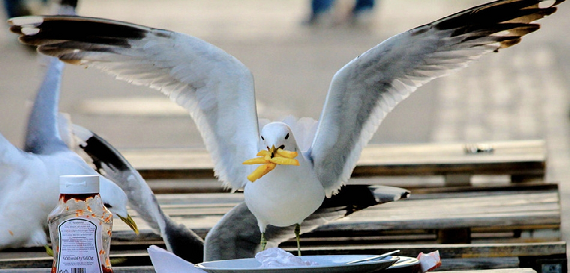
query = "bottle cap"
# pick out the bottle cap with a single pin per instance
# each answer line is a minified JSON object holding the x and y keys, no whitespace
{"x":78,"y":184}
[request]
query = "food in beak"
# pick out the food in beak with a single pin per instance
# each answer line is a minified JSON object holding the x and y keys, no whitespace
{"x":270,"y":158}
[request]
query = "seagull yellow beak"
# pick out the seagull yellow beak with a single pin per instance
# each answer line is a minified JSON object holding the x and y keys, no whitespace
{"x":130,"y":222}
{"x":269,"y":159}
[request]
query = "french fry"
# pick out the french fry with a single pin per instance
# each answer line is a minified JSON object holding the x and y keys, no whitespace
{"x":284,"y":161}
{"x":286,"y":154}
{"x":281,"y":157}
{"x":257,"y":160}
{"x":260,"y":171}
{"x":263,"y":153}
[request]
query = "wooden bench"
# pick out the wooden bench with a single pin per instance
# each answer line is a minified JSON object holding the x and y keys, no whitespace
{"x":487,"y":209}
{"x":515,"y":225}
{"x":507,"y":226}
{"x":523,"y":160}
{"x":473,"y":226}
{"x":550,"y":255}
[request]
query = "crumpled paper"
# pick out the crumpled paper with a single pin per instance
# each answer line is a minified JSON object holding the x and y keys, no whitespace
{"x":277,"y":257}
{"x":167,"y":262}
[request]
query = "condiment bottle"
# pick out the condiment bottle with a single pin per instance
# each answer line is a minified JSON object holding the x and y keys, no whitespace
{"x":80,"y":227}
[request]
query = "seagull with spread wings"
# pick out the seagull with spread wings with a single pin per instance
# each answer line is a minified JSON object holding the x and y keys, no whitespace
{"x":235,"y":236}
{"x":218,"y":91}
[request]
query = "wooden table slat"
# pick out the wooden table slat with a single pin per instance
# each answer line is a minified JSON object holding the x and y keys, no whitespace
{"x":505,"y":209}
{"x":522,"y":158}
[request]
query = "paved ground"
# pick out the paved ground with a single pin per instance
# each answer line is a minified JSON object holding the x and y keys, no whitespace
{"x":519,"y":93}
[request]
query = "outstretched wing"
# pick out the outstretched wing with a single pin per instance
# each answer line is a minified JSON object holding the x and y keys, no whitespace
{"x":370,"y":86}
{"x":42,"y":136}
{"x":178,"y":238}
{"x":212,"y":85}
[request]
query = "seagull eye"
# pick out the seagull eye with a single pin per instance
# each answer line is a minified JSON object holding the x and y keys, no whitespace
{"x":287,"y":136}
{"x":262,"y":138}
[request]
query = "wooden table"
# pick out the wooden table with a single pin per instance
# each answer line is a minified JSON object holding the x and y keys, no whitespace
{"x":473,"y":226}
{"x":522,"y":160}
{"x":515,"y":226}
{"x":483,"y":211}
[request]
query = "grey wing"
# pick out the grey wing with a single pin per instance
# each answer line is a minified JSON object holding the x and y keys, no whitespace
{"x":42,"y":135}
{"x":212,"y":85}
{"x":178,"y":238}
{"x":237,"y":235}
{"x":364,"y":91}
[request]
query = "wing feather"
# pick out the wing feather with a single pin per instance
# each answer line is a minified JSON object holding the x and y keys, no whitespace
{"x":364,"y":91}
{"x":215,"y":88}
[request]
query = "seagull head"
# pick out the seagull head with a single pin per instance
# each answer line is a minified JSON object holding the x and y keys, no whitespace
{"x":115,"y":199}
{"x":281,"y":149}
{"x":277,"y":135}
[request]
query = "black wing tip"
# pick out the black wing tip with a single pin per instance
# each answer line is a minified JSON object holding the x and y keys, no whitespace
{"x":16,"y":29}
{"x":503,"y":22}
{"x":104,"y":153}
{"x":493,"y":14}
{"x":355,"y":197}
{"x":57,"y":29}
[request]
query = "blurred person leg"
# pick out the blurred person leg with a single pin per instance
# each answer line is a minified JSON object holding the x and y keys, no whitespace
{"x":319,"y":10}
{"x":362,"y":12}
{"x":15,"y":8}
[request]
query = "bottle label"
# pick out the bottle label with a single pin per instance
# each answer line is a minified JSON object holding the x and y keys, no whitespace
{"x":79,"y":244}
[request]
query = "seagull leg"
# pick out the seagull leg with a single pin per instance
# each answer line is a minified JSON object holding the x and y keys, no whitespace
{"x":263,"y":241}
{"x":297,"y":235}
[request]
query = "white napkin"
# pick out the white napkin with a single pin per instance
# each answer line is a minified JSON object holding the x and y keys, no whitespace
{"x":430,"y":261}
{"x":166,"y":262}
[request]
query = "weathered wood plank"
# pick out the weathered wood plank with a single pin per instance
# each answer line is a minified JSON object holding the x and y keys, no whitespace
{"x":455,"y":251}
{"x":448,"y":250}
{"x":500,"y":270}
{"x":507,"y":210}
{"x":516,"y":158}
{"x":119,"y":260}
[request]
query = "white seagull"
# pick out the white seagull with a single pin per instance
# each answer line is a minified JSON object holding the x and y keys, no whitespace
{"x":236,"y":235}
{"x":29,"y":185}
{"x":218,"y":91}
{"x":29,"y":181}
